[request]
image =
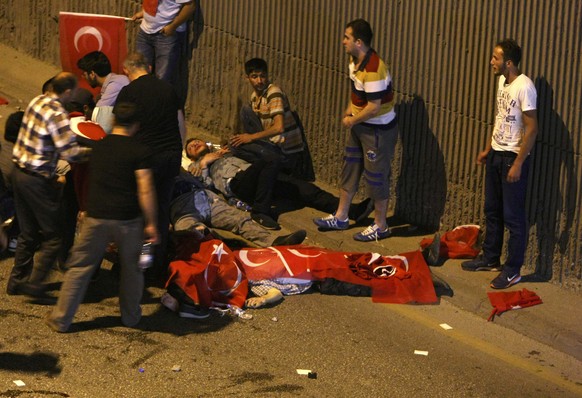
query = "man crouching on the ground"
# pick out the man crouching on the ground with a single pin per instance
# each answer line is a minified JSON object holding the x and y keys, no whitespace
{"x":122,"y":208}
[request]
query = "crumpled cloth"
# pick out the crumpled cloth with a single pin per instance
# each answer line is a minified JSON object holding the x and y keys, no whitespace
{"x":506,"y":301}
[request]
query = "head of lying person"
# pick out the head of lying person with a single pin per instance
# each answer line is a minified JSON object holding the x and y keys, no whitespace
{"x":195,"y":149}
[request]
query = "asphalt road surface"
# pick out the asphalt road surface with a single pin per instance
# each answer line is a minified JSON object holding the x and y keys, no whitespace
{"x":354,"y":347}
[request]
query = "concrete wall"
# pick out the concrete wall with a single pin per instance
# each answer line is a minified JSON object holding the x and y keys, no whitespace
{"x":438,"y":53}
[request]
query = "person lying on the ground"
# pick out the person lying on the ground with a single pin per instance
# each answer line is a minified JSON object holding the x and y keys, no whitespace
{"x":233,"y":176}
{"x":206,"y":273}
{"x":253,"y":183}
{"x":193,"y":208}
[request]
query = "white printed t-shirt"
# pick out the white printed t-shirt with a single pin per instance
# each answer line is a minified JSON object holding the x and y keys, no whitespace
{"x":512,"y":100}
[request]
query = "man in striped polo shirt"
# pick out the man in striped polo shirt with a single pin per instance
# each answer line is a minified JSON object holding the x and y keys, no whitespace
{"x":373,"y":134}
{"x":271,"y":130}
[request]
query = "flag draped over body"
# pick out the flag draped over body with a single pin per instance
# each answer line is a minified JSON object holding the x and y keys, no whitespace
{"x":403,"y":278}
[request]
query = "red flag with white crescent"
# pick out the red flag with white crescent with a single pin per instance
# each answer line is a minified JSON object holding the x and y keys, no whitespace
{"x":461,"y":242}
{"x":394,"y":279}
{"x":81,"y":34}
{"x":210,"y":276}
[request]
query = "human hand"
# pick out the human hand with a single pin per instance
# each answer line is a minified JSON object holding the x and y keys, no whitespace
{"x":223,"y":151}
{"x":241,"y":139}
{"x":196,"y":171}
{"x":151,"y":234}
{"x":347,"y":121}
{"x":137,"y":16}
{"x":482,"y":157}
{"x":514,"y":173}
{"x":210,"y":158}
{"x":168,"y":30}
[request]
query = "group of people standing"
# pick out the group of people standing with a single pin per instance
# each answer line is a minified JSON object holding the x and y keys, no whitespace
{"x":137,"y":187}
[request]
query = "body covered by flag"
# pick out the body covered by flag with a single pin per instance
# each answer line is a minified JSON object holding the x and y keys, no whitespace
{"x":209,"y":274}
{"x":81,"y":34}
{"x":393,"y":279}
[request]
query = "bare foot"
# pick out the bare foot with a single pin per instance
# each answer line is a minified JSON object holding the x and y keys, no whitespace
{"x":272,"y":296}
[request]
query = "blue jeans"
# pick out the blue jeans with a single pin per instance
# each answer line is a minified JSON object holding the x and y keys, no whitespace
{"x":161,"y":52}
{"x":505,"y":207}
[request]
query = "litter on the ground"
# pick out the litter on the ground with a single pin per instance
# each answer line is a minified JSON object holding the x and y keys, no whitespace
{"x":274,"y":319}
{"x":176,"y":368}
{"x":141,"y":370}
{"x":307,"y":372}
{"x":445,"y":326}
{"x":19,"y":383}
{"x":234,"y":311}
{"x":419,"y":352}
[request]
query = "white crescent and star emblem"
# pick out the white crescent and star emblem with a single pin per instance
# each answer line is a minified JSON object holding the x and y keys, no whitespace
{"x":88,"y":30}
{"x":219,"y":251}
{"x":299,"y":254}
{"x":244,"y":256}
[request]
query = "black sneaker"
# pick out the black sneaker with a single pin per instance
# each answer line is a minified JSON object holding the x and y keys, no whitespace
{"x":505,"y":279}
{"x":431,"y":254}
{"x":292,"y":239}
{"x":193,"y":311}
{"x":265,"y":221}
{"x":480,"y":263}
{"x":36,"y":290}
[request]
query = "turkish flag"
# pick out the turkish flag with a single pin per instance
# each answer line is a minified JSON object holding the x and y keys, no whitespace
{"x":81,"y":34}
{"x":403,"y":278}
{"x":461,"y":242}
{"x":210,"y":276}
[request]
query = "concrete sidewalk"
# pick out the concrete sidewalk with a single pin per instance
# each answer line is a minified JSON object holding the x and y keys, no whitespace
{"x":554,"y":323}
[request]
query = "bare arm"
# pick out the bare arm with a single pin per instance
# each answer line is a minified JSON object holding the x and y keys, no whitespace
{"x":137,"y":16}
{"x":530,"y":122}
{"x":183,"y":15}
{"x":147,"y":201}
{"x":482,"y":156}
{"x":348,"y":111}
{"x":370,"y":110}
{"x":276,"y":128}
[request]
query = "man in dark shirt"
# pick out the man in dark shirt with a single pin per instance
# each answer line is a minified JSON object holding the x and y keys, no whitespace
{"x":158,"y":116}
{"x":121,"y":207}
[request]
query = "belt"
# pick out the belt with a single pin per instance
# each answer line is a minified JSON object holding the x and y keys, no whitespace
{"x":505,"y":154}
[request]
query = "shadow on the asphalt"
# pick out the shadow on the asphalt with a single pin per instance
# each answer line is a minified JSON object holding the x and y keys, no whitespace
{"x":166,"y":321}
{"x":534,"y":278}
{"x":402,"y":228}
{"x":30,"y":363}
{"x":161,"y":321}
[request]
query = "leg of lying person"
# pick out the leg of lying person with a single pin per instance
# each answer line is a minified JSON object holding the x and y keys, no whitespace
{"x":240,"y":223}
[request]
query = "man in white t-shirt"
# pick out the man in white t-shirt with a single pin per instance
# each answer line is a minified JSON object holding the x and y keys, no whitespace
{"x":161,"y":33}
{"x":507,"y":165}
